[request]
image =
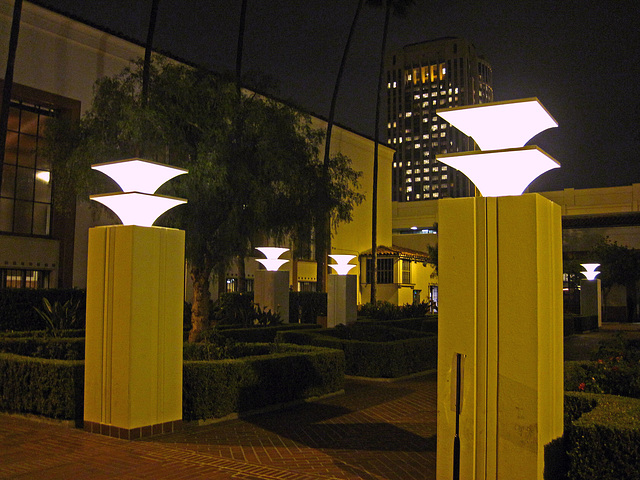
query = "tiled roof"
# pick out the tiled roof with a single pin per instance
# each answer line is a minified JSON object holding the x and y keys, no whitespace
{"x":396,"y":251}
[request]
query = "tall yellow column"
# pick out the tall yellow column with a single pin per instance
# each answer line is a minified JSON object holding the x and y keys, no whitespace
{"x":133,"y":365}
{"x":500,"y":320}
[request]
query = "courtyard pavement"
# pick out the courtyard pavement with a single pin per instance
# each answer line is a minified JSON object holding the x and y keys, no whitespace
{"x":374,"y":431}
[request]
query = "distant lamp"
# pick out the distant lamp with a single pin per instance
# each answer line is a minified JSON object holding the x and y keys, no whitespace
{"x":501,"y":129}
{"x":343,"y":266}
{"x":272,"y":262}
{"x":590,"y":272}
{"x":138,"y":204}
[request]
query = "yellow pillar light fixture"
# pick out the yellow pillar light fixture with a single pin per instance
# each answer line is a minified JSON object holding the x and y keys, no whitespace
{"x":135,"y":298}
{"x":500,"y":359}
{"x":272,"y":263}
{"x":590,"y":272}
{"x":343,"y":266}
{"x":138,"y":175}
{"x":138,"y":204}
{"x":505,"y":166}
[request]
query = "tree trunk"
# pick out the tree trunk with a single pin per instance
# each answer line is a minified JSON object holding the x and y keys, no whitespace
{"x":147,"y":51}
{"x":242,"y":275}
{"x":8,"y":79}
{"x":376,"y":137}
{"x":323,"y":228}
{"x":201,"y":302}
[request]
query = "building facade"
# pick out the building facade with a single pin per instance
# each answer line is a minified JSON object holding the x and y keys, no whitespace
{"x":57,"y":64}
{"x":421,"y":78}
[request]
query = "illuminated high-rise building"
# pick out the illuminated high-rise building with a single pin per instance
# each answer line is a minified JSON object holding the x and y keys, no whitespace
{"x":421,"y":78}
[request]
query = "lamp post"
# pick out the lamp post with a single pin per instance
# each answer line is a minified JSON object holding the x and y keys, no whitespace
{"x":271,"y":288}
{"x":591,"y":292}
{"x":135,"y":295}
{"x":342,"y":292}
{"x":500,"y":385}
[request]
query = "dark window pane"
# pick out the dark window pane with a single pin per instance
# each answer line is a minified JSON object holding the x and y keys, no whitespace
{"x":41,"y":215}
{"x":11,"y":148}
{"x":6,"y":215}
{"x":27,"y":151}
{"x":29,"y":122}
{"x":23,"y":217}
{"x":24,"y":184}
{"x":8,"y":181}
{"x":14,"y":119}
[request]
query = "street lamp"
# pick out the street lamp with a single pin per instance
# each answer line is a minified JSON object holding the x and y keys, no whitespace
{"x":135,"y":302}
{"x":500,"y":371}
{"x":343,"y":266}
{"x":272,"y":263}
{"x":590,"y":272}
{"x":138,"y":204}
{"x":505,"y":166}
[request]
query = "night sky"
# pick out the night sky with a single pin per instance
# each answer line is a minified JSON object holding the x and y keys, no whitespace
{"x":579,"y":57}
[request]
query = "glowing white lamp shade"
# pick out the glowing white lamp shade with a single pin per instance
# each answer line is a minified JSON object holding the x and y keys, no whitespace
{"x":590,"y":268}
{"x":501,"y":172}
{"x":499,"y":125}
{"x":135,"y":208}
{"x":272,"y":262}
{"x":137,"y":175}
{"x":343,"y":266}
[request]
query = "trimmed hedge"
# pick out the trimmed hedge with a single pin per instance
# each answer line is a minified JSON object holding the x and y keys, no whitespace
{"x":52,"y":348}
{"x":427,"y":324}
{"x":410,"y":352}
{"x":604,"y":441}
{"x":16,"y":306}
{"x":216,"y":389}
{"x":262,"y":334}
{"x":211,"y":389}
{"x":52,"y":388}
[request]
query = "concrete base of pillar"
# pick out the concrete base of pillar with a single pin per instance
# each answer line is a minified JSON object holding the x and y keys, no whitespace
{"x":342,"y":300}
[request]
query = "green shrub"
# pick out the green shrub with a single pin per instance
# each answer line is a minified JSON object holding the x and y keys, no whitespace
{"x":72,"y":333}
{"x":17,"y":307}
{"x":410,"y":352}
{"x":52,"y":388}
{"x":262,"y":334}
{"x":291,"y":372}
{"x":306,"y":307}
{"x":604,"y":442}
{"x":44,"y":347}
{"x":388,"y":311}
{"x":421,"y":324}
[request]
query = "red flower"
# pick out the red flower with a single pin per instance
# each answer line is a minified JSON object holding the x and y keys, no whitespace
{"x":582,"y":386}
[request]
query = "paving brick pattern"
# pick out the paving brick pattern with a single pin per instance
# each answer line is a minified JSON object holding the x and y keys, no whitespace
{"x":374,"y":431}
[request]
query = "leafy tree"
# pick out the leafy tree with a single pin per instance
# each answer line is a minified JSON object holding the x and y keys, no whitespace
{"x":252,"y":163}
{"x":620,"y":265}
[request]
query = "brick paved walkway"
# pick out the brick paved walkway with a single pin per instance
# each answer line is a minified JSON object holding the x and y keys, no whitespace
{"x":374,"y":431}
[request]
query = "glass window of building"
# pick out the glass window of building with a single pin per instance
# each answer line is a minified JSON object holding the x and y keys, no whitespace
{"x":25,"y":194}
